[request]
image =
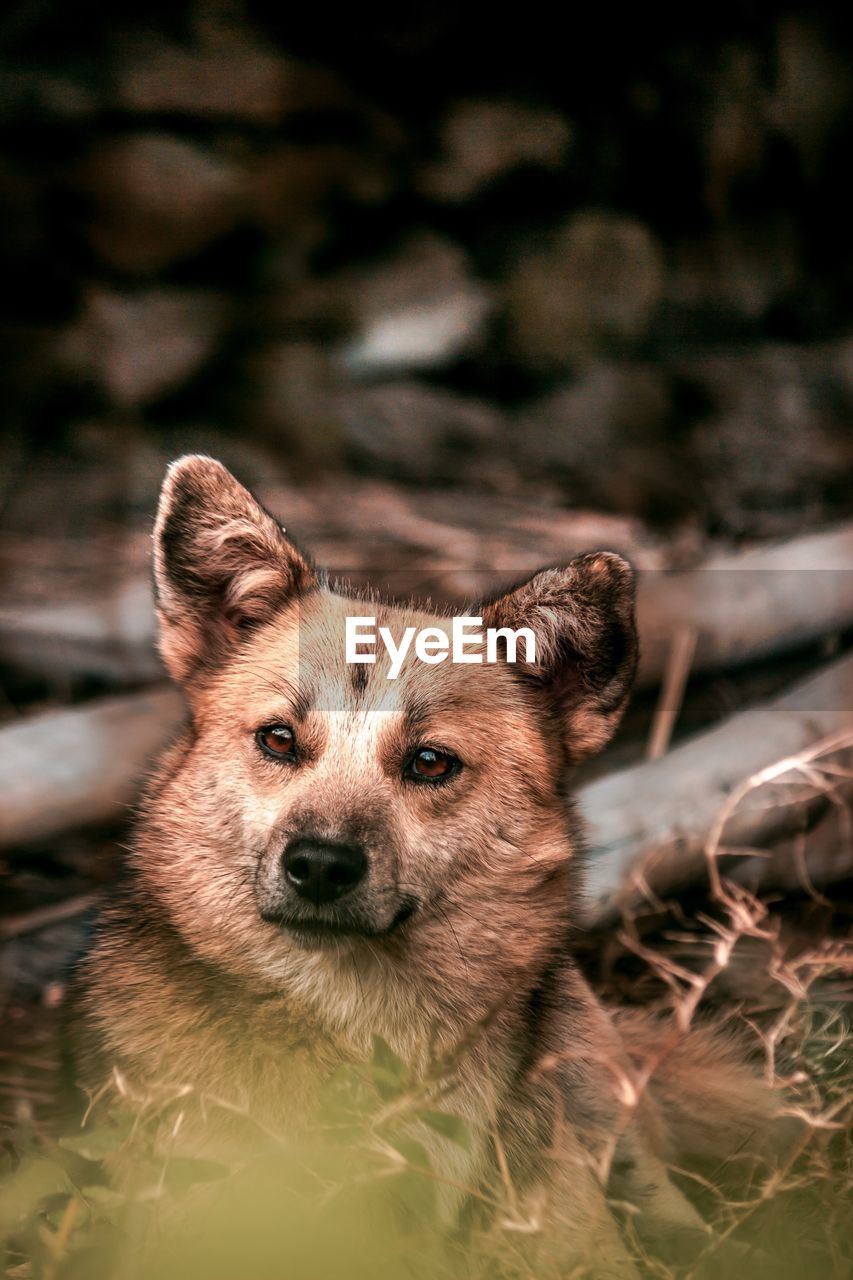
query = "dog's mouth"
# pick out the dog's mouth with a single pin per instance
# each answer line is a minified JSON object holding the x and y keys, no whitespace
{"x":313,"y":933}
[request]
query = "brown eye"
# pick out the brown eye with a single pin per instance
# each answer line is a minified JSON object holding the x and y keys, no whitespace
{"x":277,"y":740}
{"x":428,"y":764}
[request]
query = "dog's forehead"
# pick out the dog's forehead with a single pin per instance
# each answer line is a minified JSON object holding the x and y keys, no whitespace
{"x":304,"y":652}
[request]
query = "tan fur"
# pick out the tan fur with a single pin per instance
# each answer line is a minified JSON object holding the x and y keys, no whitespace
{"x":188,"y":986}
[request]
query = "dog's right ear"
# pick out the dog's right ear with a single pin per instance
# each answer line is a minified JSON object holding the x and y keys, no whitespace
{"x":222,"y":565}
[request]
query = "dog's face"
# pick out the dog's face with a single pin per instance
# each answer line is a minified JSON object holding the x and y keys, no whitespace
{"x":323,"y":806}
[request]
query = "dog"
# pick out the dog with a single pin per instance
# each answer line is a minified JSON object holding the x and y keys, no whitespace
{"x":326,"y":855}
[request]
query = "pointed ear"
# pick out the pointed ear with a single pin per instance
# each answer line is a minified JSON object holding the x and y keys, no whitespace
{"x":586,"y":644}
{"x":222,"y":565}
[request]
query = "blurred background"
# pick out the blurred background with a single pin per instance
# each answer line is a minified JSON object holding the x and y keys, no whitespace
{"x":596,"y":263}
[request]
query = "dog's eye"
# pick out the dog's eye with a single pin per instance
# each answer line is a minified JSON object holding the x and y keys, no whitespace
{"x":277,"y":740}
{"x":428,"y":764}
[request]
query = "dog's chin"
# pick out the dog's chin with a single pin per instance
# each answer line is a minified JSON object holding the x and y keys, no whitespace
{"x":319,"y":937}
{"x":314,"y":934}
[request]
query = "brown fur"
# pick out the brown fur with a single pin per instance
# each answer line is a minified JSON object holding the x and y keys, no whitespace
{"x":192,"y":982}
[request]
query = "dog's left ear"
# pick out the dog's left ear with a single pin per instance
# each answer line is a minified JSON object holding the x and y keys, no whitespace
{"x":586,"y":643}
{"x":222,"y":566}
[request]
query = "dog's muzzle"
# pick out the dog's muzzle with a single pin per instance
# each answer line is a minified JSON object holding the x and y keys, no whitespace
{"x":320,"y":892}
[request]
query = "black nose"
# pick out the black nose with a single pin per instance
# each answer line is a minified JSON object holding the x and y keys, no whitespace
{"x":321,"y":871}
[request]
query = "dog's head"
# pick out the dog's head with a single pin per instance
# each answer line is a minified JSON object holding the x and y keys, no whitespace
{"x":320,"y":804}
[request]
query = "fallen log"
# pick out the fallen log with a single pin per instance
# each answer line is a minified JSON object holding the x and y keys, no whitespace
{"x":754,"y":604}
{"x":80,"y":766}
{"x":649,"y":824}
{"x":112,"y":637}
{"x":741,"y":607}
